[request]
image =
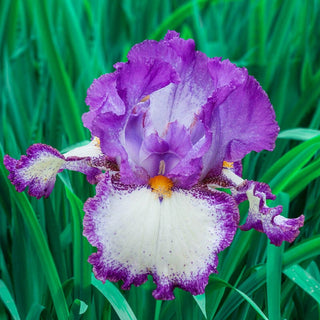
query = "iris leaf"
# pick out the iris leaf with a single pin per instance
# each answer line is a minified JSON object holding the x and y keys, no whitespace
{"x":158,"y":310}
{"x":40,"y":244}
{"x":299,"y":134}
{"x":303,"y":178}
{"x":274,"y":267}
{"x":243,"y":295}
{"x":304,"y":280}
{"x":113,"y":295}
{"x":201,"y":302}
{"x":77,"y":309}
{"x":296,"y":254}
{"x":177,"y":17}
{"x":8,"y":301}
{"x":35,"y":311}
{"x":70,"y":115}
{"x":308,"y":148}
{"x":81,"y":249}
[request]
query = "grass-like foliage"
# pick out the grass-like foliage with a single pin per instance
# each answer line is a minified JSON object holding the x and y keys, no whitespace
{"x":50,"y":53}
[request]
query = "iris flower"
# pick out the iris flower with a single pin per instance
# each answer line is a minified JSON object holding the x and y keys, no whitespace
{"x":169,"y":129}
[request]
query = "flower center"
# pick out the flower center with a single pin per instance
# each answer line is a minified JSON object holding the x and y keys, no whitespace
{"x":161,"y":185}
{"x":96,"y":141}
{"x":227,"y":164}
{"x":146,"y":98}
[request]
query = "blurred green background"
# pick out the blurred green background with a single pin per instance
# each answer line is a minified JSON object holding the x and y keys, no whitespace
{"x":50,"y":53}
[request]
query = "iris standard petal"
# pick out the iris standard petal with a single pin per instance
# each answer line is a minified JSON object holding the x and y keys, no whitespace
{"x":183,"y":101}
{"x":175,"y":239}
{"x":239,"y":115}
{"x":102,"y":95}
{"x":171,"y":149}
{"x":38,"y":169}
{"x":138,"y":79}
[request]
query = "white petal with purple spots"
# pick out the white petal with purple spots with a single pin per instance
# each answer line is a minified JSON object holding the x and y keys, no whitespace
{"x":39,"y":168}
{"x":175,"y":239}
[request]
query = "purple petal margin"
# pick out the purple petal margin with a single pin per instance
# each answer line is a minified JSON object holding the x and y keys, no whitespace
{"x":265,"y":219}
{"x":23,"y":173}
{"x":38,"y":169}
{"x":105,"y":229}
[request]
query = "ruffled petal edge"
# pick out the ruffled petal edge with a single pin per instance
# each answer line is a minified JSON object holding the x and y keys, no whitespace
{"x":39,"y":167}
{"x":138,"y":235}
{"x":265,"y":219}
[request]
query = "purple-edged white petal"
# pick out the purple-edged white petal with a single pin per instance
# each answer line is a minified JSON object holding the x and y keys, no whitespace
{"x":265,"y":219}
{"x":175,"y":239}
{"x":260,"y":216}
{"x":38,"y":169}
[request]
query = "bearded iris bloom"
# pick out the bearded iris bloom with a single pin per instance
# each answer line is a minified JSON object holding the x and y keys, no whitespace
{"x":169,"y":130}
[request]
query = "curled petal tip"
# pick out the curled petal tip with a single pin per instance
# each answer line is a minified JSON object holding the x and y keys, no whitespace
{"x":37,"y":170}
{"x":268,"y":220}
{"x":41,"y":164}
{"x":287,"y":229}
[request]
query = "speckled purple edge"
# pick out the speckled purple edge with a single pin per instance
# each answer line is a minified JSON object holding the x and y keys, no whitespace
{"x":268,"y":220}
{"x":38,"y":188}
{"x":163,"y":292}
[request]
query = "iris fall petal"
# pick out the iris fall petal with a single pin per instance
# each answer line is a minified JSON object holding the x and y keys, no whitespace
{"x":260,"y":216}
{"x":175,"y":239}
{"x":39,"y":167}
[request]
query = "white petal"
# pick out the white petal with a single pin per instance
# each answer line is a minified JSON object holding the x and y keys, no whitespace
{"x":176,"y":239}
{"x":91,"y":150}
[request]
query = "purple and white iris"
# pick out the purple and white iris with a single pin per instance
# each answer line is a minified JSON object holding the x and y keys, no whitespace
{"x":169,"y":128}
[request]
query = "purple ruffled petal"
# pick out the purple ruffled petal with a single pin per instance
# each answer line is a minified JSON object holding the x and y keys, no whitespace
{"x":240,"y":116}
{"x":141,"y":78}
{"x":102,"y":95}
{"x":260,"y":216}
{"x":137,"y":235}
{"x":225,"y":112}
{"x":265,"y":219}
{"x":38,"y":169}
{"x":182,"y":102}
{"x":163,"y":85}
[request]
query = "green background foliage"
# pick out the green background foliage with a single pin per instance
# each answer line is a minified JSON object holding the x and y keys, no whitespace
{"x":50,"y":53}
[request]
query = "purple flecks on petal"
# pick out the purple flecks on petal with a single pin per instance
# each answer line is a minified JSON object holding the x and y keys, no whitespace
{"x":175,"y":240}
{"x":38,"y":169}
{"x":265,"y":219}
{"x":84,"y":166}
